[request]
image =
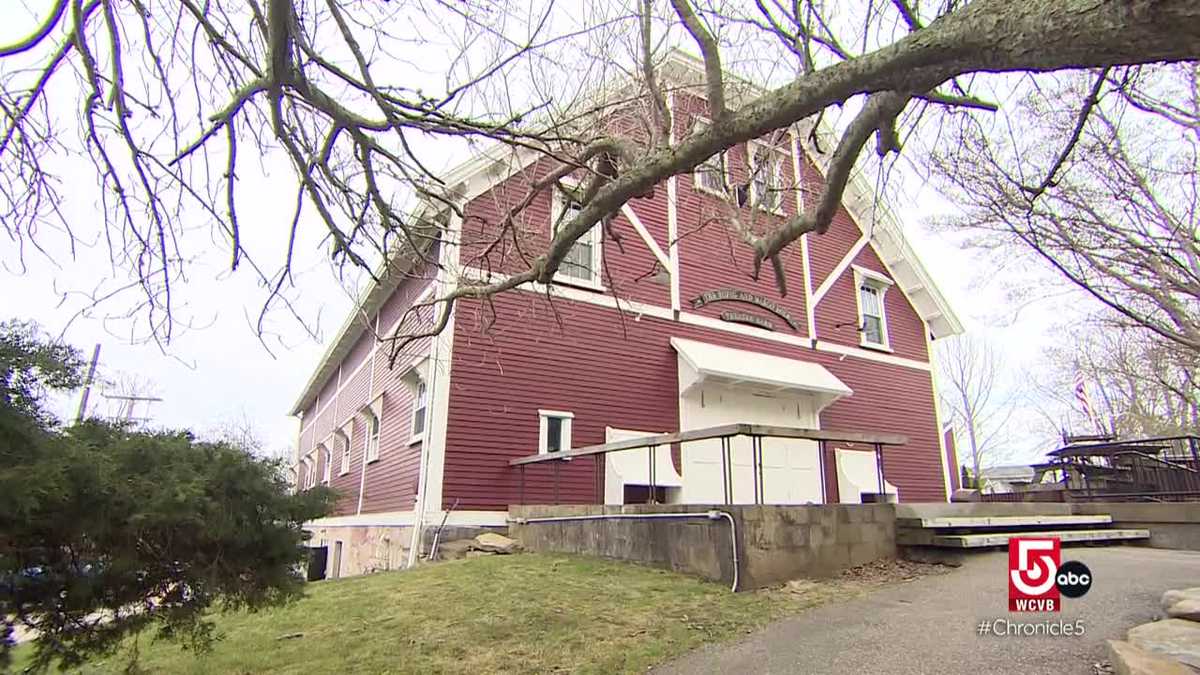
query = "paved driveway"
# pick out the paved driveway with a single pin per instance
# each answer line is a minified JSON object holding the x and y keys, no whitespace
{"x":930,"y":625}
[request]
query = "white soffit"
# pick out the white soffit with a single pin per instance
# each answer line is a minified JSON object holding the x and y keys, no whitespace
{"x":733,"y":367}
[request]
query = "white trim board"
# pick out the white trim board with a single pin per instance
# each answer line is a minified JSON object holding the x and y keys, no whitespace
{"x":659,"y":312}
{"x":407,"y":518}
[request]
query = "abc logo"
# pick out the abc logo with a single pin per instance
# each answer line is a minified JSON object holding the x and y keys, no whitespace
{"x":1073,"y":579}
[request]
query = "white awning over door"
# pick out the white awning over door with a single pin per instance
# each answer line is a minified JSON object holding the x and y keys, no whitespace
{"x":703,"y":363}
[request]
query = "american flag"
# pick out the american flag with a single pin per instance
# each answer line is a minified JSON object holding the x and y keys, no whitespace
{"x":1081,"y":395}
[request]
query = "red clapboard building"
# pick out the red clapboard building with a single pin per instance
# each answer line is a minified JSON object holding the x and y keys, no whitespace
{"x":653,"y":325}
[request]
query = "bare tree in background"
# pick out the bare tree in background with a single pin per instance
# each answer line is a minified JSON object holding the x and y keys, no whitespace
{"x":174,"y":103}
{"x":1140,"y":384}
{"x":972,"y":389}
{"x":127,"y":397}
{"x":1108,"y":195}
{"x":243,"y":433}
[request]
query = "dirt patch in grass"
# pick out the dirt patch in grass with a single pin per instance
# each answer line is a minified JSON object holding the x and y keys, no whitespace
{"x":532,"y":613}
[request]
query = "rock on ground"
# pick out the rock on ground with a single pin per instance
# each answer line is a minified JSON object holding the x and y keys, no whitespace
{"x":1128,"y":659}
{"x":491,"y":542}
{"x":1183,"y":603}
{"x":1173,"y":638}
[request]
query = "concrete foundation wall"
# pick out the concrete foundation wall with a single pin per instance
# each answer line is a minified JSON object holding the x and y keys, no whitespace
{"x":774,"y":543}
{"x":378,"y":548}
{"x":364,"y":549}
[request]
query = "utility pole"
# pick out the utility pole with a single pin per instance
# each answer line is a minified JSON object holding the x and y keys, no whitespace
{"x":87,"y":385}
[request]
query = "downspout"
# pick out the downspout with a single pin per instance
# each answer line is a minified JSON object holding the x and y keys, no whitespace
{"x":362,"y":479}
{"x":710,"y":515}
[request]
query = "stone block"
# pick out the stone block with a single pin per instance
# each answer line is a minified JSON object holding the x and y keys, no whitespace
{"x":1128,"y":659}
{"x":1172,"y":638}
{"x":861,"y":554}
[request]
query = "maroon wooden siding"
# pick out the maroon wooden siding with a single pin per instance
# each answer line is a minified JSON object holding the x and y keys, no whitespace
{"x":624,"y":374}
{"x":618,"y":369}
{"x":710,"y":254}
{"x":391,"y":481}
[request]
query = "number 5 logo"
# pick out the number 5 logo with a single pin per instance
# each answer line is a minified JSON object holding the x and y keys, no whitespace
{"x":1032,"y":566}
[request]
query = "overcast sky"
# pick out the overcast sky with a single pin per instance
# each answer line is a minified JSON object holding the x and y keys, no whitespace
{"x":218,"y":371}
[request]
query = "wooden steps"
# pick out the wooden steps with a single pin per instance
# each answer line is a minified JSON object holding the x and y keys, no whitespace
{"x":964,"y":533}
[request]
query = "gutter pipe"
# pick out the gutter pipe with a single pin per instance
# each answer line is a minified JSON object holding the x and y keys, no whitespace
{"x":710,"y":515}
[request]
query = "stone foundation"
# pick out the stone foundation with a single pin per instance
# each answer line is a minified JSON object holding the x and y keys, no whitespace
{"x":379,"y":548}
{"x":364,"y":549}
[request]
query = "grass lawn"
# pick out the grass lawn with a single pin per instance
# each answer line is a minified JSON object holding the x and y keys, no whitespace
{"x":522,"y":613}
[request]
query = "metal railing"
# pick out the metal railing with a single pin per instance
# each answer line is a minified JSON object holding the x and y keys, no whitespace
{"x":725,"y":432}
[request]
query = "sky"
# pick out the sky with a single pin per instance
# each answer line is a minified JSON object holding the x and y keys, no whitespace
{"x":218,"y":371}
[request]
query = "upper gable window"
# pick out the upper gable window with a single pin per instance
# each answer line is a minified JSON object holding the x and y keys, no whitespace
{"x":766,"y":178}
{"x":872,"y":316}
{"x":582,"y":263}
{"x":712,"y":175}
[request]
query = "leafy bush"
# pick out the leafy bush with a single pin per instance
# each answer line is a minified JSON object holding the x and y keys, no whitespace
{"x":106,"y":530}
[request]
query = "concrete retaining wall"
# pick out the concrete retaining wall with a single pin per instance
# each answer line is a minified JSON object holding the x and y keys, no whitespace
{"x":1174,"y":526}
{"x":774,"y":543}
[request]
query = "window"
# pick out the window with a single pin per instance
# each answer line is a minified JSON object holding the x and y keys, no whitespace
{"x":582,"y":262}
{"x":310,"y":473}
{"x":712,"y":175}
{"x":343,"y":442}
{"x":372,"y":449}
{"x":420,"y":403}
{"x":871,"y":287}
{"x":327,"y":472}
{"x":766,"y":179}
{"x":372,"y":415}
{"x":554,"y":431}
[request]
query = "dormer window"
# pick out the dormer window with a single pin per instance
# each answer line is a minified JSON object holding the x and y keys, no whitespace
{"x":872,"y":317}
{"x":581,"y":266}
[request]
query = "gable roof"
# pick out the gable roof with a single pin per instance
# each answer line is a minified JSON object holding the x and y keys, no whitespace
{"x":498,"y":162}
{"x":869,"y":212}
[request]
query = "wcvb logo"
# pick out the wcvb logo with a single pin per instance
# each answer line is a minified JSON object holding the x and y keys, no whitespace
{"x":1036,"y":579}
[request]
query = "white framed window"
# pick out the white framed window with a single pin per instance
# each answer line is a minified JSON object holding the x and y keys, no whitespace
{"x":373,"y":419}
{"x":420,"y":406}
{"x":343,"y":444}
{"x":310,"y":473}
{"x":766,"y":177}
{"x":554,"y":431}
{"x":870,"y":288}
{"x":327,"y":457}
{"x":582,"y":264}
{"x":373,"y":425}
{"x":712,"y":175}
